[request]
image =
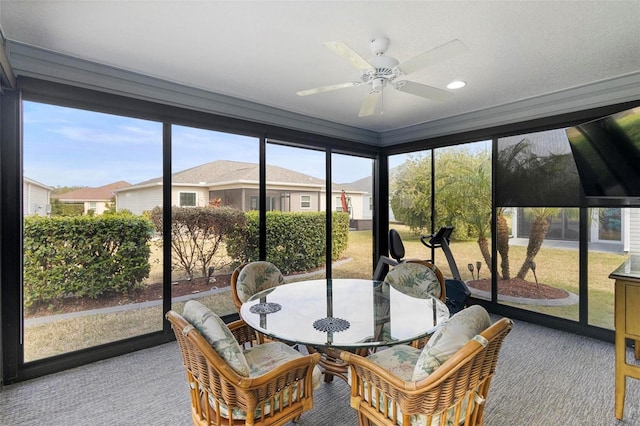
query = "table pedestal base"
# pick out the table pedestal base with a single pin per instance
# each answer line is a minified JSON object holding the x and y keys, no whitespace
{"x":332,"y":365}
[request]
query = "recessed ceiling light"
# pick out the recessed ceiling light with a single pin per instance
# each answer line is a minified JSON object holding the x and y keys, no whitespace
{"x":457,"y":84}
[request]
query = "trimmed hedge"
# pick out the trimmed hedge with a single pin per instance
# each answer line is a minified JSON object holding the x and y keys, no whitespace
{"x":295,"y":241}
{"x":84,"y":255}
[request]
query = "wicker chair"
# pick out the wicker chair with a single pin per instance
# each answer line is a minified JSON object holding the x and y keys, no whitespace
{"x":443,"y":290}
{"x":248,"y":279}
{"x":418,"y":278}
{"x":278,"y":393}
{"x":454,"y":393}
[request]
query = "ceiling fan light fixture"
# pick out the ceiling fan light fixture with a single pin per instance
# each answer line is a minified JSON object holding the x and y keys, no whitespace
{"x":456,"y":84}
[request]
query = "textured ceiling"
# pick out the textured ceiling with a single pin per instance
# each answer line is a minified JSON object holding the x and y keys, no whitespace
{"x":266,"y":51}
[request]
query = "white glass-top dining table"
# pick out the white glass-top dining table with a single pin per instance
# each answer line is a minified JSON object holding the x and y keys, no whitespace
{"x":346,"y":314}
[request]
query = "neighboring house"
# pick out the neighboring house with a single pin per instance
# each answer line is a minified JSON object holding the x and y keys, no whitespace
{"x":36,"y":198}
{"x":93,"y":199}
{"x":236,"y":184}
{"x":364,"y":207}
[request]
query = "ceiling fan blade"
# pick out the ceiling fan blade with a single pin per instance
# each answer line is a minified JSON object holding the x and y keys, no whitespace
{"x":353,"y":57}
{"x":369,"y":104}
{"x":327,"y":88}
{"x":422,"y":90}
{"x":433,"y":56}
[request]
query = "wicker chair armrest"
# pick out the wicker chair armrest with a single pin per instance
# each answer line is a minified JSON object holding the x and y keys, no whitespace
{"x":494,"y":335}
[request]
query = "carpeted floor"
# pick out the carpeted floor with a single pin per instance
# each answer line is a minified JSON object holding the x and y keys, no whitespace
{"x":544,"y":377}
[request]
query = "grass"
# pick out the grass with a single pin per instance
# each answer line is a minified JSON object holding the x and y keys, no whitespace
{"x":555,"y":267}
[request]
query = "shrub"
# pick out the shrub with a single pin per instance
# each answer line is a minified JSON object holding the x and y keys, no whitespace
{"x":58,"y":208}
{"x":295,"y":241}
{"x":196,"y":235}
{"x":84,"y":255}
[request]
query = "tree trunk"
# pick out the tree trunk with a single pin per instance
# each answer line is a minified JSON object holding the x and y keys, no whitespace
{"x":502,"y":244}
{"x":484,"y":249}
{"x":539,"y":229}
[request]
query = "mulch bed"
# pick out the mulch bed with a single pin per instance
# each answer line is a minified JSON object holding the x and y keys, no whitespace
{"x":148,"y":293}
{"x":517,"y":287}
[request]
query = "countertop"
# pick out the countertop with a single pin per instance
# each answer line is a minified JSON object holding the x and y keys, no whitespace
{"x":629,"y":270}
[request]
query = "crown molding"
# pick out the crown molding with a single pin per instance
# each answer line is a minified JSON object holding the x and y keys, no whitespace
{"x":611,"y":91}
{"x":31,"y":61}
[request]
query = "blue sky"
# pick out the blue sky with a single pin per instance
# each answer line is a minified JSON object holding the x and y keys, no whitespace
{"x":71,"y":147}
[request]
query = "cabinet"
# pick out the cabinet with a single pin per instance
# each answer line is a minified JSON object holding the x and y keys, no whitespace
{"x":627,"y":324}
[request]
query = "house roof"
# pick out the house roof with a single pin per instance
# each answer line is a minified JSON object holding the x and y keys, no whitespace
{"x":36,"y":183}
{"x":226,"y":172}
{"x":102,"y":193}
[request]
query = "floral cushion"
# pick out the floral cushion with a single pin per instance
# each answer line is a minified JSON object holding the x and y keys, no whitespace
{"x":414,"y":279}
{"x":460,"y":328}
{"x":267,"y":356}
{"x":255,"y":277}
{"x":262,"y":359}
{"x":399,"y":360}
{"x":216,"y":332}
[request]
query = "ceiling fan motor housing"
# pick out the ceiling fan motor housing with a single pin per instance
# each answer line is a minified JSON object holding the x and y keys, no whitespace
{"x":379,"y":45}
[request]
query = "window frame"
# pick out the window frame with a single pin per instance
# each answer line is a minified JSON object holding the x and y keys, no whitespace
{"x":303,"y":197}
{"x":184,"y":193}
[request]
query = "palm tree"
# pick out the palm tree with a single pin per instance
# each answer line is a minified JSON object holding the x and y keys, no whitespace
{"x":539,"y":229}
{"x":502,"y":243}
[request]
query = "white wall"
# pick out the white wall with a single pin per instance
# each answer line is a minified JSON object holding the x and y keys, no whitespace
{"x":35,"y":199}
{"x":139,"y":200}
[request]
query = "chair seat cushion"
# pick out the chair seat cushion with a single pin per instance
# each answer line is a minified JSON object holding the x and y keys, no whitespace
{"x":267,"y":356}
{"x":449,"y":338}
{"x":216,"y":332}
{"x":399,"y":360}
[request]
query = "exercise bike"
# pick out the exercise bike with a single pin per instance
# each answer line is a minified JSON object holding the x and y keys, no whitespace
{"x":457,"y":291}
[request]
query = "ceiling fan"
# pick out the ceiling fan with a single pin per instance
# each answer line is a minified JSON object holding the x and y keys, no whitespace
{"x":381,"y":71}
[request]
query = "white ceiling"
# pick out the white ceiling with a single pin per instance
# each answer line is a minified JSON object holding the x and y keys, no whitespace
{"x":265,"y":51}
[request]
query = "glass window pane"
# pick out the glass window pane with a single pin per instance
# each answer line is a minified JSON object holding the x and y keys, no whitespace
{"x":296,"y":224}
{"x":537,"y":188}
{"x":536,"y":169}
{"x":463,"y":200}
{"x":188,"y":199}
{"x":352,"y":195}
{"x":83,"y":275}
{"x":410,"y":200}
{"x":614,"y":234}
{"x":215,"y":181}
